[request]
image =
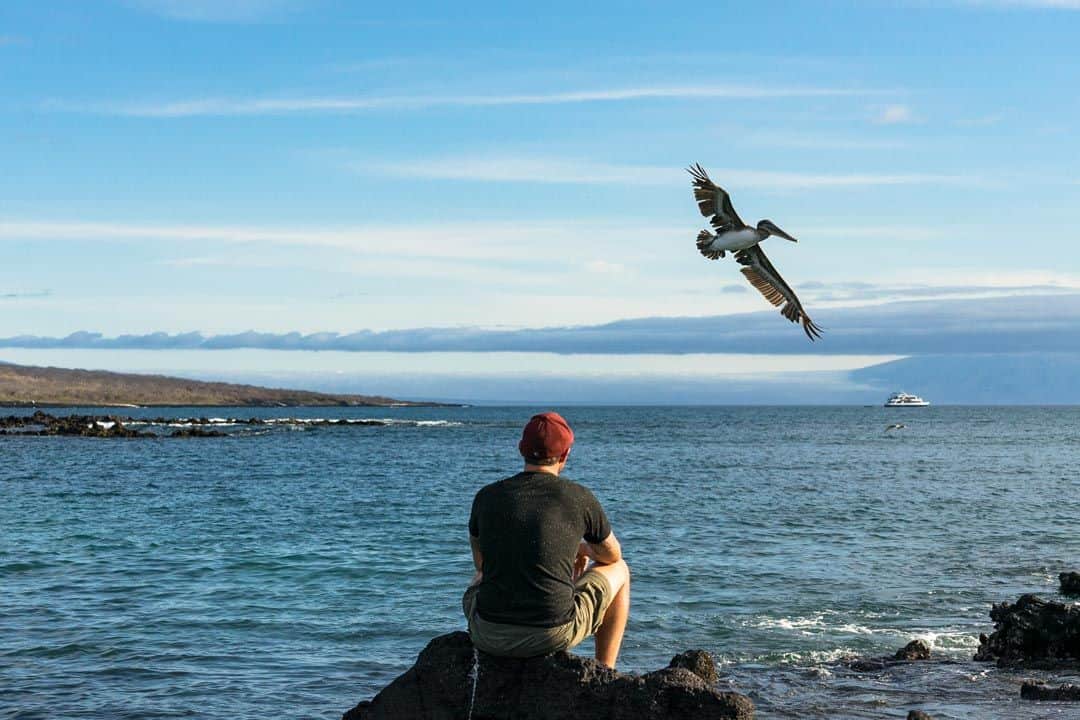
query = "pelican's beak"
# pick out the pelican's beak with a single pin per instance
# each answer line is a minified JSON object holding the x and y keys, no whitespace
{"x":781,"y":233}
{"x":770,"y":227}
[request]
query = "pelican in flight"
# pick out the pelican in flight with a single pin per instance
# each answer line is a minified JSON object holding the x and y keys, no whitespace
{"x":735,"y":236}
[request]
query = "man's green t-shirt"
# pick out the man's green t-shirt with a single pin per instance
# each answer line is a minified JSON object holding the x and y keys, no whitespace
{"x":529,"y":527}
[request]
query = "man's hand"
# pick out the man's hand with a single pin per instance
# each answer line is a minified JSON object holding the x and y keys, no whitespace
{"x":581,"y":562}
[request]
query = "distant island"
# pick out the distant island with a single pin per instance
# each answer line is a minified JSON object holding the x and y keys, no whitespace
{"x":28,"y":386}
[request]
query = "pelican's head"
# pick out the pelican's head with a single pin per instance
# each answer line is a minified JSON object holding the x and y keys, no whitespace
{"x":769,"y":228}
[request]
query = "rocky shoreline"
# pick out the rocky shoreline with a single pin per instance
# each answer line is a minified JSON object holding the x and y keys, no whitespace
{"x":451,"y":679}
{"x":41,"y":423}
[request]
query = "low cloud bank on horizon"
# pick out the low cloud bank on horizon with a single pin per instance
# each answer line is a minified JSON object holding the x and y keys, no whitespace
{"x":1047,"y":323}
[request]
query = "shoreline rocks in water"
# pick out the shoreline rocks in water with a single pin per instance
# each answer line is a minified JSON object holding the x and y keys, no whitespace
{"x":118,"y":426}
{"x":41,"y":423}
{"x":1032,"y":632}
{"x":1070,"y":583}
{"x":1041,"y":691}
{"x":440,"y":687}
{"x":914,"y":651}
{"x":197,"y":432}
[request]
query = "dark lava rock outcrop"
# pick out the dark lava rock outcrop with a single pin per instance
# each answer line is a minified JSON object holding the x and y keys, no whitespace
{"x":1070,"y":583}
{"x":197,"y":432}
{"x":553,"y":687}
{"x":115,"y":426}
{"x":41,"y":423}
{"x":698,"y":662}
{"x":918,"y":715}
{"x":1039,"y":691}
{"x":1033,"y":632}
{"x":914,"y":650}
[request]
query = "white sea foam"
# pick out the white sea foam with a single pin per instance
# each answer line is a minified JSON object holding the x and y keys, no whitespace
{"x":233,"y":422}
{"x":948,"y":641}
{"x":817,"y":657}
{"x":812,"y":625}
{"x":361,"y":421}
{"x":423,"y":423}
{"x":945,"y":641}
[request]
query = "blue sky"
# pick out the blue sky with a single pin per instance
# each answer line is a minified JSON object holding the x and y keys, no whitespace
{"x":287,"y":166}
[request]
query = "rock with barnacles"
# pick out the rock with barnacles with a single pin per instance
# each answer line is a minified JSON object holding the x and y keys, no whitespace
{"x":440,"y":686}
{"x":698,"y":662}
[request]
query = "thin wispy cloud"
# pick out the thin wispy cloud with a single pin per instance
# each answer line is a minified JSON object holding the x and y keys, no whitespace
{"x":1034,"y":4}
{"x":413,"y":243}
{"x":566,"y":171}
{"x":858,"y":293}
{"x":24,"y":294}
{"x":225,"y":106}
{"x":605,"y":267}
{"x":894,"y":115}
{"x":226,"y":11}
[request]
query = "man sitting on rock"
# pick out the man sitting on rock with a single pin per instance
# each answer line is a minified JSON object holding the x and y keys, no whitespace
{"x":549,"y":571}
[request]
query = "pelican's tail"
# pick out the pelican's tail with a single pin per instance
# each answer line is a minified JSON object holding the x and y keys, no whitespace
{"x":704,"y":245}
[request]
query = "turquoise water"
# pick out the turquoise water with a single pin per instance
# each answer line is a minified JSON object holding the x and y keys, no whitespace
{"x":293,"y":571}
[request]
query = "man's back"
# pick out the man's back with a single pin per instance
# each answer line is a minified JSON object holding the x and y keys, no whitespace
{"x":529,"y":527}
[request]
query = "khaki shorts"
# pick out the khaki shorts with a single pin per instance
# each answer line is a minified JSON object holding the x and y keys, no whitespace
{"x":592,"y":595}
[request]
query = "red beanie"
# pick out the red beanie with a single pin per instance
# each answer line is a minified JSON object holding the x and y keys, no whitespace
{"x":546,"y":436}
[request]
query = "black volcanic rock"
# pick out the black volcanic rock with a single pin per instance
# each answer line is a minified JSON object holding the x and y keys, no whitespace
{"x":1032,"y":631}
{"x":914,"y":650}
{"x":114,"y":426}
{"x":553,"y":687}
{"x":918,"y":715}
{"x":1039,"y":691}
{"x":1070,"y":583}
{"x":41,"y":423}
{"x":196,"y":432}
{"x":698,"y":662}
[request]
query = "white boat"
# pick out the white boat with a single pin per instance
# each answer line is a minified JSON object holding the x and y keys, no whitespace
{"x":903,"y":399}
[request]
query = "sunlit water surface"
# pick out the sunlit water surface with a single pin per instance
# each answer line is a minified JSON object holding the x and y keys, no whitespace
{"x":292,"y":571}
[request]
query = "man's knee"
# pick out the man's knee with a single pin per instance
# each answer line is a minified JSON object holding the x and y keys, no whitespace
{"x":617,"y":574}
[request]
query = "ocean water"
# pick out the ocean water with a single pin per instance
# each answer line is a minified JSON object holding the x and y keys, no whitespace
{"x":292,"y":570}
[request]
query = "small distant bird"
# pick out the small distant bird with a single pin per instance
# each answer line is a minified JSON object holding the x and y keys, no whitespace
{"x":895,"y":426}
{"x":733,"y":235}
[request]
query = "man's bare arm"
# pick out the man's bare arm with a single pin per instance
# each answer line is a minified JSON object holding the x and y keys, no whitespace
{"x":607,"y":551}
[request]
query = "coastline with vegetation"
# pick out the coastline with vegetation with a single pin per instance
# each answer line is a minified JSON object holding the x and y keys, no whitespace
{"x":31,"y":386}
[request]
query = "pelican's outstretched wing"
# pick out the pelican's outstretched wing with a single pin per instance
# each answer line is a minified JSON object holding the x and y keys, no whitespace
{"x":763,"y":276}
{"x":714,"y":202}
